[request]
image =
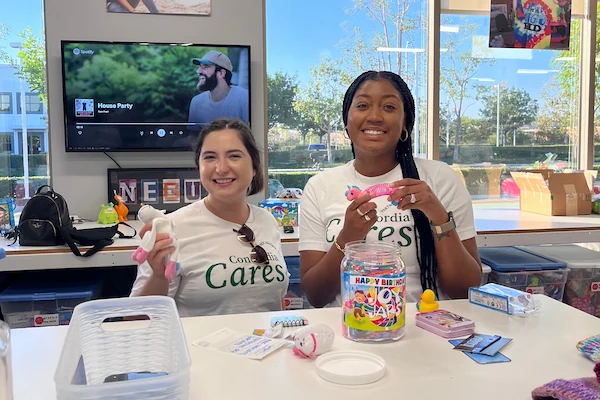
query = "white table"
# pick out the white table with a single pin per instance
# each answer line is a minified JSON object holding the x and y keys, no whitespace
{"x":419,"y":366}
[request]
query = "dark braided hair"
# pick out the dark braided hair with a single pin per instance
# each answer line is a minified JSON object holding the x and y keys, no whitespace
{"x":424,"y":236}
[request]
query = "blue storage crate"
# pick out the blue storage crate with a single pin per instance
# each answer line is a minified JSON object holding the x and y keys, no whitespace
{"x":524,"y":270}
{"x":293,"y":266}
{"x":43,"y":303}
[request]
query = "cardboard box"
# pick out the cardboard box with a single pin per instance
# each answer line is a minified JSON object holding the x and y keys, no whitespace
{"x":284,"y":211}
{"x":546,"y":192}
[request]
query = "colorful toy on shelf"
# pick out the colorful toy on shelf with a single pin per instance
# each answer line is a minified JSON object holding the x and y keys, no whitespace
{"x":313,"y":340}
{"x":121,"y":208}
{"x":290,"y":193}
{"x":160,"y":224}
{"x":108,"y":215}
{"x":284,"y":211}
{"x":381,"y":189}
{"x":427,"y":302}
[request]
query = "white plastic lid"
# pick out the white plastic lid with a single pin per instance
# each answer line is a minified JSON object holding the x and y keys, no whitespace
{"x":350,"y":367}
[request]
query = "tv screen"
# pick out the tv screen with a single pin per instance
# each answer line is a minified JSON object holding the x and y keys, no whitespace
{"x":122,"y":96}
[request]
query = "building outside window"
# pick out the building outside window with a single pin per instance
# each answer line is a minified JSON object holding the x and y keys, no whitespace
{"x":22,"y":73}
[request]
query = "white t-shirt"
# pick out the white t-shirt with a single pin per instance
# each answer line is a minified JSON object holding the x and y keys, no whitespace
{"x":216,"y":274}
{"x":235,"y":105}
{"x":324,"y":203}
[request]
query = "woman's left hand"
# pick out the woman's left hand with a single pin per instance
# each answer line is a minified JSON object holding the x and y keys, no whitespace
{"x":422,"y":197}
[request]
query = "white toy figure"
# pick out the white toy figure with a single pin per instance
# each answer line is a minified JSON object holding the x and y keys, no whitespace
{"x":160,"y":224}
{"x":313,"y":340}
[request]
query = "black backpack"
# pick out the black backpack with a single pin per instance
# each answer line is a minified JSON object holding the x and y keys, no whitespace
{"x":45,"y":221}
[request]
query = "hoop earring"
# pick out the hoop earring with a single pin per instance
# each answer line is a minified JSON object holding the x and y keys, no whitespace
{"x":404,"y":138}
{"x":346,"y":134}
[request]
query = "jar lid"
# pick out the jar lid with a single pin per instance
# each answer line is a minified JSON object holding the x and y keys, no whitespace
{"x":350,"y":367}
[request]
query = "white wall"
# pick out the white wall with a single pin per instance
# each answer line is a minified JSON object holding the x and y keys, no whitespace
{"x":81,"y":177}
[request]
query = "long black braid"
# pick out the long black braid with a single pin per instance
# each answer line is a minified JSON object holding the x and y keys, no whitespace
{"x":424,"y":236}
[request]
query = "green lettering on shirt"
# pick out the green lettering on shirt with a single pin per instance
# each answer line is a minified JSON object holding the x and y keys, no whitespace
{"x":241,"y":281}
{"x":405,"y":236}
{"x":332,"y":238}
{"x":267,"y":274}
{"x":254,"y":269}
{"x":279,"y":270}
{"x":386,"y":232}
{"x":209,"y":271}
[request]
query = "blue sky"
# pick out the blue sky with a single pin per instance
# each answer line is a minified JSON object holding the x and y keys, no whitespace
{"x":19,"y":15}
{"x":300,"y":32}
{"x":298,"y":35}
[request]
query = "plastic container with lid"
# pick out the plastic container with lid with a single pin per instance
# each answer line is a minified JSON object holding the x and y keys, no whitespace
{"x":524,"y":270}
{"x":582,"y":289}
{"x":42,"y":303}
{"x":373,"y":292}
{"x":295,"y":298}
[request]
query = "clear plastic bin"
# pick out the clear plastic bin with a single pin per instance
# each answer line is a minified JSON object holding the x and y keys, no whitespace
{"x":526,"y":271}
{"x":582,"y":289}
{"x":26,"y":304}
{"x":296,"y":288}
{"x":295,"y":299}
{"x":94,"y":351}
{"x":293,"y":266}
{"x":485,"y":274}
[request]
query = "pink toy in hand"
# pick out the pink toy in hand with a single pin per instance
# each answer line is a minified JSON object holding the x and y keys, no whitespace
{"x":313,"y":340}
{"x":160,"y":224}
{"x":381,"y":189}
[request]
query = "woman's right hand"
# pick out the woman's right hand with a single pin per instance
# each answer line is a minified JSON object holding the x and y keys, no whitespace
{"x":360,"y":217}
{"x":160,"y":251}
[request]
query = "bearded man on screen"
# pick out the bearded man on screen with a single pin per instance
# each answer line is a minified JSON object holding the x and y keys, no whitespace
{"x":218,"y":97}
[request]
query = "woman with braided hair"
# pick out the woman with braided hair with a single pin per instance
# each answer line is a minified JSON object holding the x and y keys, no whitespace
{"x":430,"y":215}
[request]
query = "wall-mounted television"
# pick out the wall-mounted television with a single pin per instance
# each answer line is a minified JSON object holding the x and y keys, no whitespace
{"x":125,"y":96}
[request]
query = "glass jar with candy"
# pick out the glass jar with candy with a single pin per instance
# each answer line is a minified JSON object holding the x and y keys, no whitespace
{"x":373,"y":290}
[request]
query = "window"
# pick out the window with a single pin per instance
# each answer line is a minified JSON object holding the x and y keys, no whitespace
{"x":6,"y":143}
{"x":312,"y":57}
{"x":5,"y":103}
{"x":505,"y":109}
{"x":22,"y":73}
{"x":33,"y":103}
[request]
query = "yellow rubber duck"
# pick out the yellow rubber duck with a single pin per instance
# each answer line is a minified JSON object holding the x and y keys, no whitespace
{"x":427,"y":302}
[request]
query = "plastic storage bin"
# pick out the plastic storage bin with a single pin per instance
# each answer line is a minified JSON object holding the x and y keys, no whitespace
{"x":295,"y":298}
{"x":582,"y":289}
{"x":526,"y":271}
{"x":94,"y":351}
{"x":485,"y":274}
{"x":44,"y":303}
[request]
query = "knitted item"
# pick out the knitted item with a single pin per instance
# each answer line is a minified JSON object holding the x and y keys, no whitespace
{"x":576,"y":389}
{"x":590,"y":347}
